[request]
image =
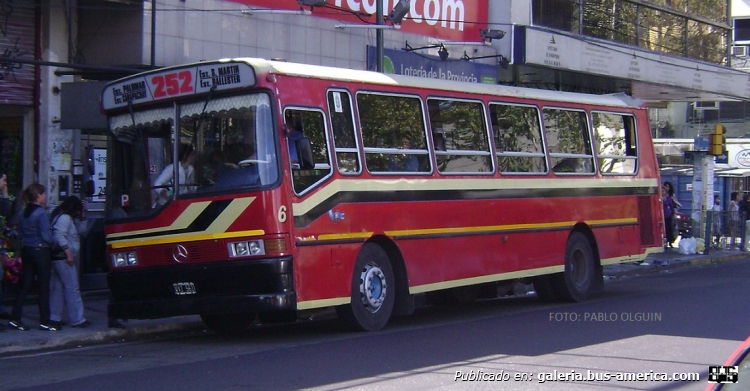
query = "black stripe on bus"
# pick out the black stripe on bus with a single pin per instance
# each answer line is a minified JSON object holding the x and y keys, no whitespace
{"x":201,"y":222}
{"x":351,"y":197}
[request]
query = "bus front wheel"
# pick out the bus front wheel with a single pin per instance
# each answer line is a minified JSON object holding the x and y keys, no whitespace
{"x":373,"y":291}
{"x":577,"y":281}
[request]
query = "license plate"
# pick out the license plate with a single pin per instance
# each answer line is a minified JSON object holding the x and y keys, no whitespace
{"x":183,"y":288}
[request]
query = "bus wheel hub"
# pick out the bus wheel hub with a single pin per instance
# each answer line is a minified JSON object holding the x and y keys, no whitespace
{"x":372,"y":287}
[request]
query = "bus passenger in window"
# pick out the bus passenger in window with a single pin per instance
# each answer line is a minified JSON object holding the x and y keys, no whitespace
{"x":408,"y":162}
{"x":186,"y":156}
{"x":294,"y":133}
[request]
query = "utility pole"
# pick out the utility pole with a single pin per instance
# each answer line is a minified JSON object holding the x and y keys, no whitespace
{"x":379,"y":35}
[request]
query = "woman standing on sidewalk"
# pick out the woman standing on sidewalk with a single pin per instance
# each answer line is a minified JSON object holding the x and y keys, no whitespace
{"x":36,"y":239}
{"x":64,"y":291}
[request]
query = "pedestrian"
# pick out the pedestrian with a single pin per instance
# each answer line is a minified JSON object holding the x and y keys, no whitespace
{"x":36,"y":239}
{"x":6,"y":207}
{"x":669,"y":209}
{"x":734,"y":217}
{"x":64,"y":288}
{"x":716,"y":220}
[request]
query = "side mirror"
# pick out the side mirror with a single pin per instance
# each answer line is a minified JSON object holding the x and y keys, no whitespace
{"x":304,"y":150}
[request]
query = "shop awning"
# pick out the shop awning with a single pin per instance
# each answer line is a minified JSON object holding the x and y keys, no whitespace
{"x":734,"y":172}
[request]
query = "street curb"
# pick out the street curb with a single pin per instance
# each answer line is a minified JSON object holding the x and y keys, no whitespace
{"x":673,"y":264}
{"x":43,"y":343}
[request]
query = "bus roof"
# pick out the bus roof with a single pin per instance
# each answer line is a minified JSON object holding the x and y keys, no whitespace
{"x":353,"y":75}
{"x":375,"y":78}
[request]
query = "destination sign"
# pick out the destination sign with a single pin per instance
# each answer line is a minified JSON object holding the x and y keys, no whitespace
{"x":177,"y":82}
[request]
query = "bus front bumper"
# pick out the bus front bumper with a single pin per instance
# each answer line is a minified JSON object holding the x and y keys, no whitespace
{"x":208,"y":288}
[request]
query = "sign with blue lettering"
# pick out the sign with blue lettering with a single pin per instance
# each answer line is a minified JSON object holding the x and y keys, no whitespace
{"x":401,"y":62}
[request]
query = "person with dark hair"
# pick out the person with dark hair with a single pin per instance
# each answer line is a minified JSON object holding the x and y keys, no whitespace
{"x":64,"y":290}
{"x":669,"y":209}
{"x":6,"y":207}
{"x":186,"y":156}
{"x":36,"y":239}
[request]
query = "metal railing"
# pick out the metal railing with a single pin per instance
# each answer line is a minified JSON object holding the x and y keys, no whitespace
{"x":722,"y":230}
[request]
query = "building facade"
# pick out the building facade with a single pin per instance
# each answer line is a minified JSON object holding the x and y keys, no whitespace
{"x":57,"y":54}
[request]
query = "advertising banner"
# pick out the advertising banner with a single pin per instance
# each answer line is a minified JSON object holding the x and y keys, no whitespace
{"x":400,"y":62}
{"x":453,"y":20}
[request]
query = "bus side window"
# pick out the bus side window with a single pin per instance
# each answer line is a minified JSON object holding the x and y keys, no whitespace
{"x":393,"y":133}
{"x":344,"y":137}
{"x":461,"y":142}
{"x":518,"y":139}
{"x":568,"y":141}
{"x":311,"y":148}
{"x":616,"y":147}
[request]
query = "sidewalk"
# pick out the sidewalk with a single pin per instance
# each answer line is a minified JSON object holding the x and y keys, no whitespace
{"x":14,"y":342}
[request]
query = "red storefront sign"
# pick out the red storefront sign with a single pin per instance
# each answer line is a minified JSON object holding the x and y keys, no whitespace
{"x":452,"y":20}
{"x":17,"y":31}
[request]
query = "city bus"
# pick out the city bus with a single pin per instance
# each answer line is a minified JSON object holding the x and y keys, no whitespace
{"x":310,"y":188}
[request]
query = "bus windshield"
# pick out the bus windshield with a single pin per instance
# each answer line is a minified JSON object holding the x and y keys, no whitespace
{"x":224,"y":144}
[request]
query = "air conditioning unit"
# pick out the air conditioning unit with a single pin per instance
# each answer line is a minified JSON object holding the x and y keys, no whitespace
{"x":739,"y":51}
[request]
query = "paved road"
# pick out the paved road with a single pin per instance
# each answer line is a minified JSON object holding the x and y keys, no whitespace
{"x":677,"y":321}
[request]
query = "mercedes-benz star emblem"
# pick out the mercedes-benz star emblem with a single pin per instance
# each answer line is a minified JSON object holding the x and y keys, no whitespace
{"x":179,"y":253}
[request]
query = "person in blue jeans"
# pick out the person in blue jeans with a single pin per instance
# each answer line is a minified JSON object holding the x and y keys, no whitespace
{"x":36,"y":240}
{"x":64,"y":289}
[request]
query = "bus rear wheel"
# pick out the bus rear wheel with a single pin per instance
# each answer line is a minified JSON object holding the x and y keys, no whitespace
{"x":373,"y":291}
{"x":577,"y":281}
{"x":228,"y":323}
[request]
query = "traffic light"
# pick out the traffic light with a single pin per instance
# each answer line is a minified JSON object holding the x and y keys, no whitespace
{"x":718,"y":145}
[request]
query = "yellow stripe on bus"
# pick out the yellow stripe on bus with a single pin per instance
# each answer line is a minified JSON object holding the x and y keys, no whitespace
{"x":622,"y":221}
{"x":471,"y":230}
{"x":217,"y":229}
{"x":310,"y":304}
{"x":483,"y":279}
{"x":488,"y":228}
{"x":187,"y":237}
{"x":632,"y":258}
{"x":181,"y":222}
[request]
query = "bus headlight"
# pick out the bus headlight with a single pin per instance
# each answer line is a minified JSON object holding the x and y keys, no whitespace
{"x":125,"y":259}
{"x":246,"y":248}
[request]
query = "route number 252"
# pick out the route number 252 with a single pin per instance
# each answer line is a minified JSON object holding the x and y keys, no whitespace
{"x":172,"y":84}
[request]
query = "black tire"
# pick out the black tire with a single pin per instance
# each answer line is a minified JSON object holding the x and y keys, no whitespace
{"x":228,"y":323}
{"x":373,"y":291}
{"x":577,"y":282}
{"x":543,"y":286}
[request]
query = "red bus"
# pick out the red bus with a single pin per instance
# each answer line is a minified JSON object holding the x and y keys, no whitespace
{"x":300,"y":187}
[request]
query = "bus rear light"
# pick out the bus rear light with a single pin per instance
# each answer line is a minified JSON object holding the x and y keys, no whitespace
{"x":125,"y":259}
{"x":275,"y":245}
{"x":246,"y":248}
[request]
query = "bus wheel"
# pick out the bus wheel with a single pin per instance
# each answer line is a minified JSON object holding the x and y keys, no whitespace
{"x":373,"y":291}
{"x":228,"y":323}
{"x":577,"y":281}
